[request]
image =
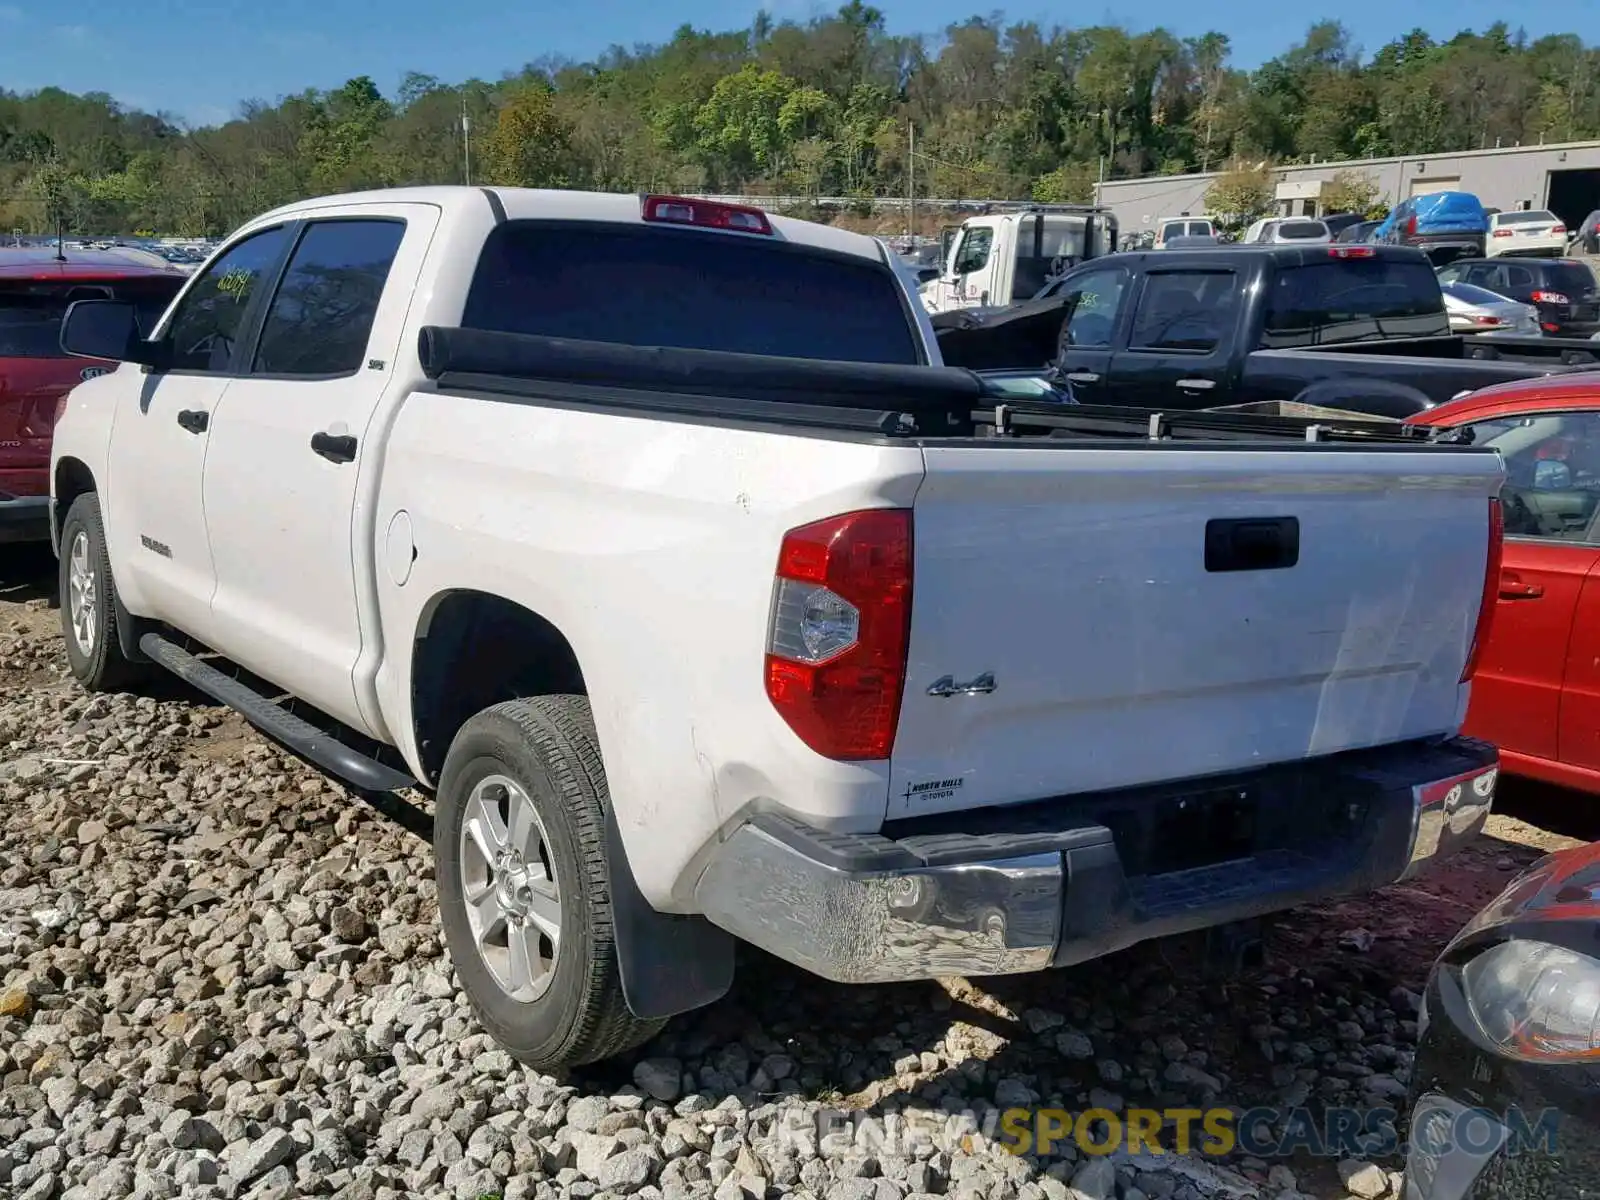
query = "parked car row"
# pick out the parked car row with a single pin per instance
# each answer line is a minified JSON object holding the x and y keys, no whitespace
{"x":1563,"y":291}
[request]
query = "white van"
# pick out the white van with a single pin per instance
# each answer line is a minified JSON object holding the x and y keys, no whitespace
{"x":1183,"y":227}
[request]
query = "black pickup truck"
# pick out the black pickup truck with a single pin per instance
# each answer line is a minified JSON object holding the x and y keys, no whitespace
{"x":1359,"y":328}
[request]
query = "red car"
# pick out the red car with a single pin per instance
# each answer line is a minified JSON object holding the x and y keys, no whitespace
{"x":1536,"y":693}
{"x":35,"y":376}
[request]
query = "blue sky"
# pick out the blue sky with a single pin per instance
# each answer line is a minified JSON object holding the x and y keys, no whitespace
{"x":200,"y":58}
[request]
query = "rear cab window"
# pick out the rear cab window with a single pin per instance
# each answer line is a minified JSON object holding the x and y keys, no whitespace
{"x":689,"y":290}
{"x":31,"y":310}
{"x":1351,"y":300}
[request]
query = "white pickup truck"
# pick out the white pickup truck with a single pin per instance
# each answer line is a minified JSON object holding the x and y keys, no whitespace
{"x":651,"y":536}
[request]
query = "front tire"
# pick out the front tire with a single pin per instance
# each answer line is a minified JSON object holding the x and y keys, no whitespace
{"x":89,"y":602}
{"x":524,"y":883}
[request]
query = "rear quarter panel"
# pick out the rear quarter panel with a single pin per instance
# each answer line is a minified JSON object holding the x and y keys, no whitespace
{"x":651,"y":545}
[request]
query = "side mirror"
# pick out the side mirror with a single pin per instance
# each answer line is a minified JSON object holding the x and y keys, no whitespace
{"x":107,"y":329}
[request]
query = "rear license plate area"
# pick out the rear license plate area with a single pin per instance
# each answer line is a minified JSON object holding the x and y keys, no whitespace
{"x":1195,"y":829}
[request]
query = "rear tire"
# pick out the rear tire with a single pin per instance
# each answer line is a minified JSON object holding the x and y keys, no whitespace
{"x":525,"y":885}
{"x":89,"y":602}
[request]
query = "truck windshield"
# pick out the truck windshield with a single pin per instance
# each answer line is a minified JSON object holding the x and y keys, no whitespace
{"x":1352,"y":300}
{"x":689,"y":290}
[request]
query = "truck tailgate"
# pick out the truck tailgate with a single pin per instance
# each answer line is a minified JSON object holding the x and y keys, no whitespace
{"x":1077,"y":580}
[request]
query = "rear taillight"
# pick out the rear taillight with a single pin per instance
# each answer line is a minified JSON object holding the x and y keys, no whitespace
{"x":708,"y":214}
{"x":1491,"y":589}
{"x":1558,"y":229}
{"x":1550,"y":298}
{"x":1411,"y":227}
{"x":1486,"y":321}
{"x":1502,"y":233}
{"x":836,"y":644}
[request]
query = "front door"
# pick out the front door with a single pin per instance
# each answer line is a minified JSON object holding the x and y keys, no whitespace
{"x":1516,"y":693}
{"x":965,"y":285}
{"x":155,"y":519}
{"x":1180,"y":345}
{"x":1549,"y":500}
{"x":290,"y":447}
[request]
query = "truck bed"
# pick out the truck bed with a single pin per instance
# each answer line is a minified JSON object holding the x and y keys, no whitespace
{"x":1115,"y":596}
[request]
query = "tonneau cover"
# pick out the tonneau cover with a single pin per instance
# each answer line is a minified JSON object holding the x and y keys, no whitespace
{"x":453,"y":351}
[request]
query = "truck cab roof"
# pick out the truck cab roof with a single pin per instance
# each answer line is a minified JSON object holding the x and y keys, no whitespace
{"x":542,"y":204}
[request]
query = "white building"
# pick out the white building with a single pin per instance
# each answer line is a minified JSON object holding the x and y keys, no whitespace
{"x":1562,"y":178}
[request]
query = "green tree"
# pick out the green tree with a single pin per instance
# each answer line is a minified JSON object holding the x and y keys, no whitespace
{"x":530,"y":146}
{"x":1240,"y":195}
{"x":1352,"y":192}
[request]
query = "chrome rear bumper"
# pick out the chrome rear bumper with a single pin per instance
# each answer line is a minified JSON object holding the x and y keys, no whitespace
{"x":870,"y":909}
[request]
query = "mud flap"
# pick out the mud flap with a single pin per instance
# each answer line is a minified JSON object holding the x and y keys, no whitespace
{"x":669,"y":963}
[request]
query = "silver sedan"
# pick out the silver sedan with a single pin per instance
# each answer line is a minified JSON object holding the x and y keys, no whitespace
{"x":1479,"y":311}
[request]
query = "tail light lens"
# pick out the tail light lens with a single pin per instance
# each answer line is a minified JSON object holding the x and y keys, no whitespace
{"x":1491,"y":589}
{"x":837,"y":639}
{"x":1411,"y":227}
{"x":1558,"y":229}
{"x":708,"y":214}
{"x":1550,"y":298}
{"x":1487,"y":321}
{"x":1502,"y":233}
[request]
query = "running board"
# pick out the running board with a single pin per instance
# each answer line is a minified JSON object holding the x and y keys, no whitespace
{"x":350,"y":766}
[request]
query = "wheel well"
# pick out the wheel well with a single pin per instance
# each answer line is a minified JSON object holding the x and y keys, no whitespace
{"x":475,"y":650}
{"x":73,"y":479}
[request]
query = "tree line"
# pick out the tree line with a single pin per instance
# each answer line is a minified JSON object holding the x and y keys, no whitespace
{"x":822,"y":107}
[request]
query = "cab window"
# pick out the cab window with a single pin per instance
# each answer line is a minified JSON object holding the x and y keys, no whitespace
{"x":1552,"y":488}
{"x":204,"y":330}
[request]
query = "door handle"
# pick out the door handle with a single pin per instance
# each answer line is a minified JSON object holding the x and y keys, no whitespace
{"x":1197,"y":385}
{"x":336,"y":448}
{"x":1512,"y":588}
{"x":1083,"y":377}
{"x":194,"y":420}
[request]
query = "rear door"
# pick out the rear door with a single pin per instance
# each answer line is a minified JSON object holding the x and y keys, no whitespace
{"x":1098,"y":304}
{"x":1180,"y":344}
{"x":1550,"y":498}
{"x":1116,"y":650}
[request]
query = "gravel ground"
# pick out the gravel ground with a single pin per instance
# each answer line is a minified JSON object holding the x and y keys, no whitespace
{"x":221,"y":976}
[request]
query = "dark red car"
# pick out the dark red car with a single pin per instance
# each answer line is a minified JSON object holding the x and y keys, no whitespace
{"x":1536,"y":693}
{"x":35,"y":288}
